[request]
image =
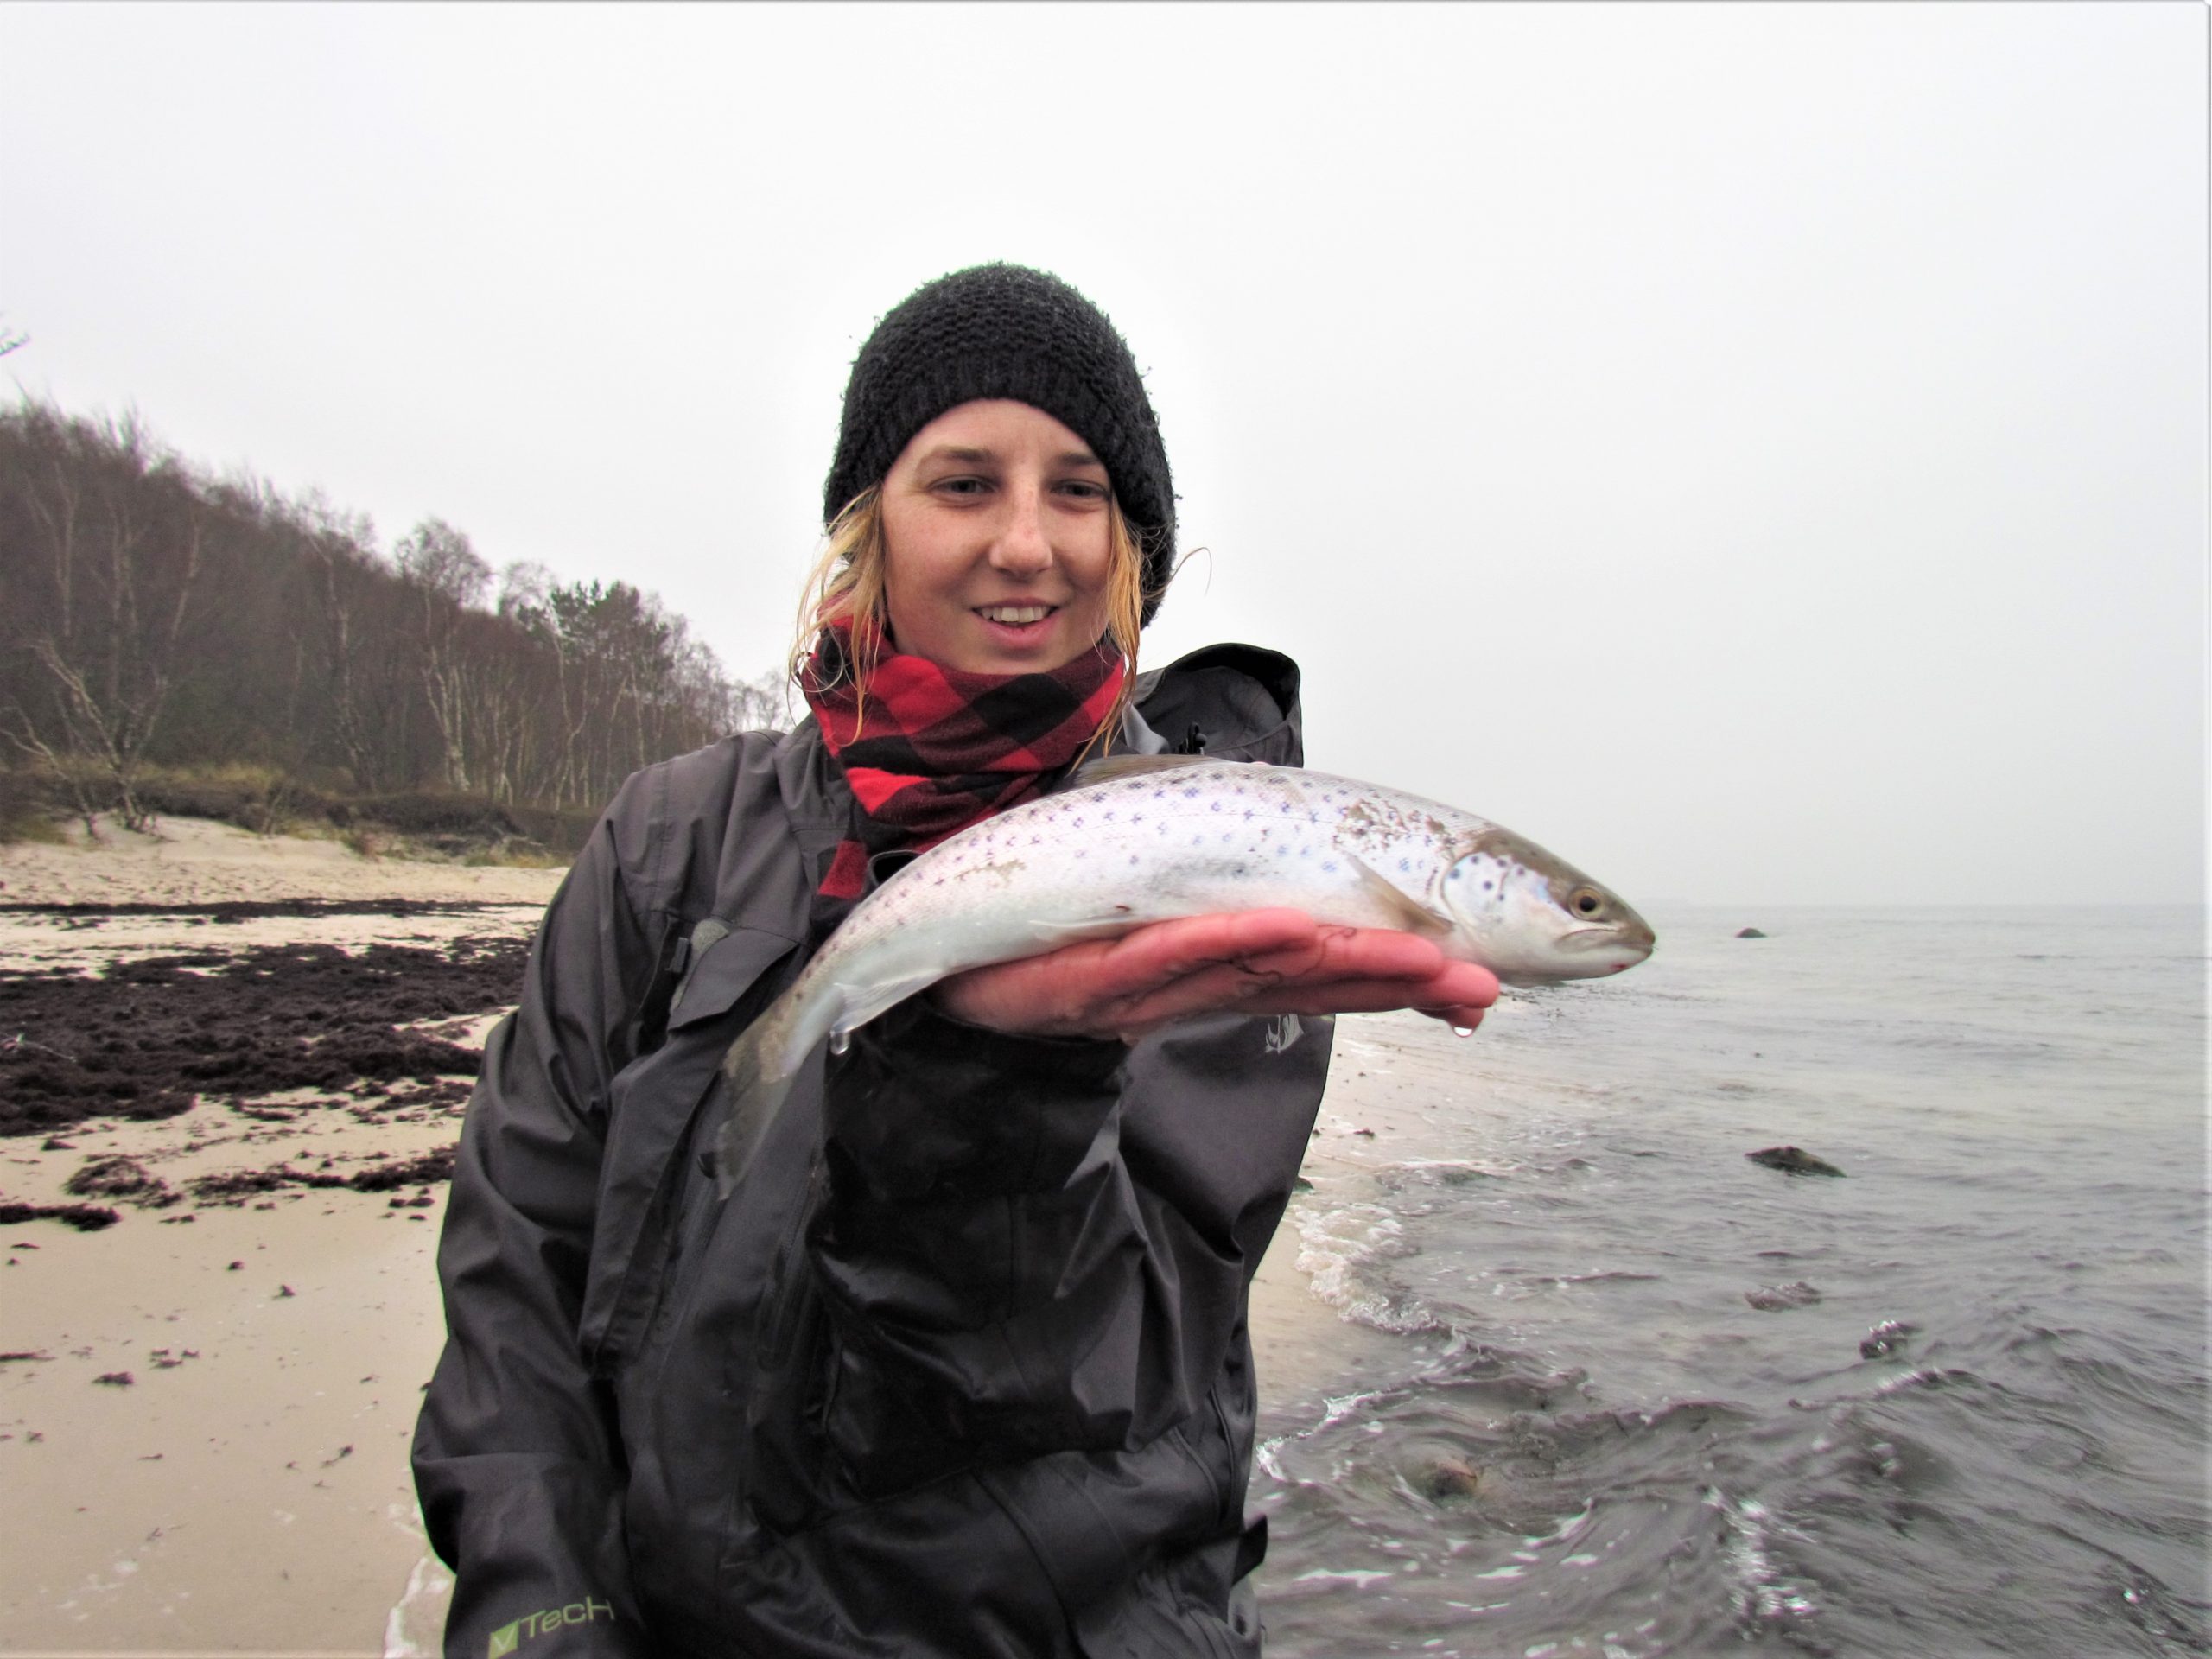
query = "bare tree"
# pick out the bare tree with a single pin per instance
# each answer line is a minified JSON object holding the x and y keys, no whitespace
{"x":762,"y":704}
{"x":119,"y":550}
{"x":449,"y":577}
{"x":150,"y":615}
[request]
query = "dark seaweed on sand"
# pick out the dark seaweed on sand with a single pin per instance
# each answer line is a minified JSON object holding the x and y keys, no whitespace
{"x":234,"y":1186}
{"x":85,"y":1218}
{"x":140,"y":1039}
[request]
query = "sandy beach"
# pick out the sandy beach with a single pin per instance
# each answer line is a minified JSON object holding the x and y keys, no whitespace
{"x":206,"y":1404}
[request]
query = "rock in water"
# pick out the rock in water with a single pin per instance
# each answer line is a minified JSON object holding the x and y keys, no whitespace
{"x":1450,"y":1477}
{"x":1773,"y":1298}
{"x":1792,"y":1160}
{"x":1749,"y":933}
{"x":1885,"y":1339}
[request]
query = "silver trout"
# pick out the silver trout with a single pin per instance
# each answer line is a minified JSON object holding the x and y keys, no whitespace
{"x":1146,"y":838}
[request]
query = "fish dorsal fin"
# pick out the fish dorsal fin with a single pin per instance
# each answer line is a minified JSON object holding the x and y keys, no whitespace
{"x":1405,"y":912}
{"x":1116,"y":766}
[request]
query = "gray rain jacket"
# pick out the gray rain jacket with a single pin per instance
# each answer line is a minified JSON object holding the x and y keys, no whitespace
{"x":959,"y":1368}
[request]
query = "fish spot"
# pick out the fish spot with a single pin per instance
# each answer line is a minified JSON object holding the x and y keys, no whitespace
{"x":1005,"y":872}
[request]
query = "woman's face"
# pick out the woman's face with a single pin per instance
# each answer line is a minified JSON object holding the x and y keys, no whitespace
{"x":996,"y":549}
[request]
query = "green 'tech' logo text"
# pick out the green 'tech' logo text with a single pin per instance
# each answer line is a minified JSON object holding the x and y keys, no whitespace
{"x":508,"y":1637}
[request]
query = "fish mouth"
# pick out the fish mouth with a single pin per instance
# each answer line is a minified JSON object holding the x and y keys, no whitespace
{"x":1637,"y":938}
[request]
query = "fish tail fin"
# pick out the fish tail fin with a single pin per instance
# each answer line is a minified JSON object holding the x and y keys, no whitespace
{"x":767,"y":1055}
{"x":757,"y":1072}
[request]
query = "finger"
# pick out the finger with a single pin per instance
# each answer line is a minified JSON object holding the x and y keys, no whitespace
{"x":1271,"y":961}
{"x":1464,"y":986}
{"x":1353,"y":953}
{"x":1425,"y":977}
{"x":1339,"y":970}
{"x":1458,"y":990}
{"x":1095,"y":987}
{"x":1163,"y":952}
{"x":1225,"y":967}
{"x":1218,"y":987}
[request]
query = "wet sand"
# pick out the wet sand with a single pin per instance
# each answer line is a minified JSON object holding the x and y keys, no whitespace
{"x":246,"y":1490}
{"x":266,"y":1289}
{"x":206,"y":1405}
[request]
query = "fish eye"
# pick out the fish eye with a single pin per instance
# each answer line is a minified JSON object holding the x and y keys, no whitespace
{"x":1585,"y":901}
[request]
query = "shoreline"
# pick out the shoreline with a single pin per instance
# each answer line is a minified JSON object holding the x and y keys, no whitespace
{"x":247,"y":1490}
{"x":195,"y":862}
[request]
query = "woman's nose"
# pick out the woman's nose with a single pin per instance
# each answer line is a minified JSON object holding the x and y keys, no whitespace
{"x":1022,"y":548}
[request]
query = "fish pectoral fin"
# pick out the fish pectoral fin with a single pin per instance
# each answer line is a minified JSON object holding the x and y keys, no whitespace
{"x":1405,"y":910}
{"x":1117,"y":922}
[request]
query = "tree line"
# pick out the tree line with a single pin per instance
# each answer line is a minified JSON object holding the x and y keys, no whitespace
{"x":152,"y":615}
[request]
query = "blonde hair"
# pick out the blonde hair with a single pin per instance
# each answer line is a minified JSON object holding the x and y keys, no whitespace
{"x":847,"y":585}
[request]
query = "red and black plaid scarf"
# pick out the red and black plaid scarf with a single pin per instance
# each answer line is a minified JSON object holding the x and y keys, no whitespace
{"x":930,"y":750}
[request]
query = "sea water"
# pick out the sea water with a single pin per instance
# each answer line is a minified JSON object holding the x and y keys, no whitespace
{"x":1610,"y":1388}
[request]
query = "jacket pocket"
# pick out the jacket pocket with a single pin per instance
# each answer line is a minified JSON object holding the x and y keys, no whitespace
{"x":653,"y":1105}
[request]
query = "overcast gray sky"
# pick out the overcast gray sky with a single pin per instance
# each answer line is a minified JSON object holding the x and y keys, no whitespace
{"x":1757,"y":450}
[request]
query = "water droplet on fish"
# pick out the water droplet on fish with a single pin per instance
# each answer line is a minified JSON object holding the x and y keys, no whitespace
{"x":1463,"y":1031}
{"x":840,"y":1041}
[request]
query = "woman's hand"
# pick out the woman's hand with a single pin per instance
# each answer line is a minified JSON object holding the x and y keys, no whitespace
{"x":1246,"y":961}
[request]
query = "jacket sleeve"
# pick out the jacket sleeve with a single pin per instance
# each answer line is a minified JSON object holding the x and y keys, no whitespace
{"x":515,"y":1456}
{"x":997,"y":1279}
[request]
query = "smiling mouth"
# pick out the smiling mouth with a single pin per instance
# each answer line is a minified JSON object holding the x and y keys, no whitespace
{"x":1014,"y":616}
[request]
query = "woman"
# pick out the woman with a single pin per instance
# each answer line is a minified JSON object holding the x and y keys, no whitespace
{"x":960,"y":1366}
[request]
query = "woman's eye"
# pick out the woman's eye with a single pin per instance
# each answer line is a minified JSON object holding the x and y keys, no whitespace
{"x":961,"y":485}
{"x":1084,"y":488}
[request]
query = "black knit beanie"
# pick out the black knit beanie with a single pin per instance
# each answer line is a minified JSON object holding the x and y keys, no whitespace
{"x":1005,"y":331}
